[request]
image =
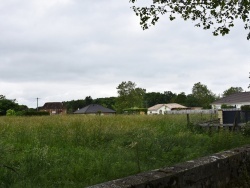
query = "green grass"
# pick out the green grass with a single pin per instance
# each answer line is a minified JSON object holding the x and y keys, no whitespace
{"x":77,"y":151}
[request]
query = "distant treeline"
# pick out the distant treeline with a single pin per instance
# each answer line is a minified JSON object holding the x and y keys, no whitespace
{"x":150,"y":99}
{"x":74,"y":105}
{"x":130,"y":96}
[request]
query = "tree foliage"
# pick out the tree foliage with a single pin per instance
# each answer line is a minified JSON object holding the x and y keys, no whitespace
{"x":129,"y":96}
{"x":207,"y":14}
{"x":153,"y":98}
{"x":10,"y":112}
{"x":203,"y":95}
{"x":6,"y":104}
{"x":180,"y":98}
{"x":74,"y":105}
{"x":232,"y":90}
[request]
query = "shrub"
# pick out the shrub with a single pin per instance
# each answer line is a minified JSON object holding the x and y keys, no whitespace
{"x":225,"y":106}
{"x":246,"y":129}
{"x":10,"y":112}
{"x":245,"y":108}
{"x":32,"y":113}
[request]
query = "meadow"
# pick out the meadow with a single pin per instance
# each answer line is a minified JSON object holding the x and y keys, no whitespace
{"x":78,"y":150}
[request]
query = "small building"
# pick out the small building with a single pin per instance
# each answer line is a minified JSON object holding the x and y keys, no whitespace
{"x":236,"y":100}
{"x":95,"y":109}
{"x":162,"y":108}
{"x":54,"y":108}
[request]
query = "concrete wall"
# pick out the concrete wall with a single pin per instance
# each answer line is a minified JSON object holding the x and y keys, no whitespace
{"x":225,"y":169}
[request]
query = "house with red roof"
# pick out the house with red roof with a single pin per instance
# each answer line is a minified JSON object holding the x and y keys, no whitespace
{"x":54,"y":108}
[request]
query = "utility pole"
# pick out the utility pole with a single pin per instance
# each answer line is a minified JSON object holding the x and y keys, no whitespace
{"x":249,"y":77}
{"x":37,"y":103}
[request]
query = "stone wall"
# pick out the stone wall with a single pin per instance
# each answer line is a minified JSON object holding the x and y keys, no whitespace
{"x":224,"y":169}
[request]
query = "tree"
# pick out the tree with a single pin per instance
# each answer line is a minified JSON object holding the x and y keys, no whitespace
{"x":191,"y":101}
{"x":2,"y":97}
{"x":10,"y":112}
{"x":6,"y":104}
{"x":169,"y":95}
{"x":153,"y":98}
{"x":129,"y":96}
{"x":107,"y":102}
{"x":203,"y":95}
{"x":88,"y":100}
{"x":232,"y":90}
{"x":219,"y":15}
{"x":180,"y":98}
{"x":74,"y":105}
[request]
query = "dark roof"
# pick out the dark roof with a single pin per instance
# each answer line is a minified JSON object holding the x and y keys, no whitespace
{"x":53,"y":105}
{"x":94,"y":108}
{"x":240,"y":97}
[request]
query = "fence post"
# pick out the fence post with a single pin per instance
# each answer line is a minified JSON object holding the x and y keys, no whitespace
{"x":188,"y":120}
{"x":235,"y":121}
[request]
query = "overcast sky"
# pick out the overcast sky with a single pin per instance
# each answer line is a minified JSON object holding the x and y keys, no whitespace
{"x":62,"y":50}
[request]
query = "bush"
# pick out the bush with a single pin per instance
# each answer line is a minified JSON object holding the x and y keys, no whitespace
{"x":10,"y":112}
{"x":246,"y":130}
{"x":245,"y":108}
{"x":225,"y":106}
{"x":32,"y":113}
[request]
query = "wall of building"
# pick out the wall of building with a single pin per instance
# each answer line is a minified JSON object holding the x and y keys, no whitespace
{"x":226,"y":169}
{"x":158,"y":111}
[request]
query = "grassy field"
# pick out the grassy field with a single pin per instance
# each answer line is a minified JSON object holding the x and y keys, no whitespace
{"x":77,"y":151}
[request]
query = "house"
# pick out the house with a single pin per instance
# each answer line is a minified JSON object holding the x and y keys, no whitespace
{"x":236,"y":100}
{"x":95,"y":109}
{"x":54,"y":108}
{"x":162,"y":108}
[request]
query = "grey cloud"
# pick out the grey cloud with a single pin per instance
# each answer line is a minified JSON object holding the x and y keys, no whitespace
{"x":80,"y":48}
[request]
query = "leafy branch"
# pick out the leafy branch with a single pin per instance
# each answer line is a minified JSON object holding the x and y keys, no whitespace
{"x":205,"y":13}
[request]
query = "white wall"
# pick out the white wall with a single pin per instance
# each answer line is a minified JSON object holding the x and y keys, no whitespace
{"x":159,"y":111}
{"x":218,"y":106}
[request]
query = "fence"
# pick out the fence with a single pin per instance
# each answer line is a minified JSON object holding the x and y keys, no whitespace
{"x":208,"y":111}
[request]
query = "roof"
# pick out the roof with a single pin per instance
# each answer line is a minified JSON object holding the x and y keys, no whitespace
{"x":53,"y":105}
{"x":241,"y":97}
{"x":156,"y":107}
{"x":175,"y":105}
{"x":93,"y":109}
{"x":169,"y":105}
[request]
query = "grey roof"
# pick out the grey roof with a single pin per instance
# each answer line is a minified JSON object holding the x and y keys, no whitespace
{"x":241,"y":97}
{"x":93,"y":109}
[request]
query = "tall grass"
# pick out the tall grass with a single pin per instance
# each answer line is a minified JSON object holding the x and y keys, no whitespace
{"x":77,"y":151}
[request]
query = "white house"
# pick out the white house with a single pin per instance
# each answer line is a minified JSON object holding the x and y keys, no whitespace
{"x":162,"y":108}
{"x":237,"y":100}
